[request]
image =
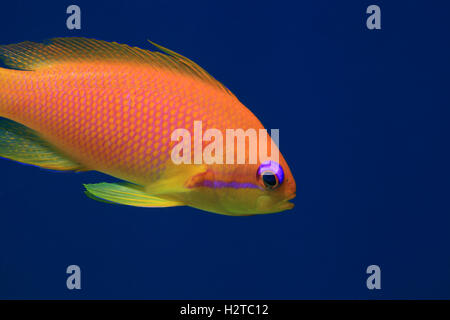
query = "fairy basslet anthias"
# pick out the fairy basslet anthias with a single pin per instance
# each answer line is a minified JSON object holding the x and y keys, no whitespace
{"x":83,"y":104}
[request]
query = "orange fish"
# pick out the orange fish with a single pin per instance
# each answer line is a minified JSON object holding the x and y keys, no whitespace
{"x":82,"y":104}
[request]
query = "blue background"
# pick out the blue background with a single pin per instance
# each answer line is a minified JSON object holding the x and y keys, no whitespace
{"x":363,"y":118}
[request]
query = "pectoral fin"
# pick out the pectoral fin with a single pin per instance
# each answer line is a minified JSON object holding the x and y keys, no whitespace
{"x":22,"y":144}
{"x":126,"y":194}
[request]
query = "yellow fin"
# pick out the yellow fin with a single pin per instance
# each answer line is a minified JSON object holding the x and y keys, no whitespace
{"x":32,"y":56}
{"x":191,"y":67}
{"x":126,"y":194}
{"x":22,"y":144}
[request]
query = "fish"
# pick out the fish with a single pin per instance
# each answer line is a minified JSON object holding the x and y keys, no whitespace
{"x":79,"y":104}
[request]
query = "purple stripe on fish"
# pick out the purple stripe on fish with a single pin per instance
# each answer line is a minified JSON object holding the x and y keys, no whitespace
{"x":223,"y":184}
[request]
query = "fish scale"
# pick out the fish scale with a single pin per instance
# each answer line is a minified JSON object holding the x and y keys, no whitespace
{"x":86,"y":116}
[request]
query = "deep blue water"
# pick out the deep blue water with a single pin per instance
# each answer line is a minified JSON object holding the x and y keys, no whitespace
{"x":364,"y":125}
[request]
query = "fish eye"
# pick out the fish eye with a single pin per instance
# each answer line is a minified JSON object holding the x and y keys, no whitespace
{"x":270,"y":180}
{"x":270,"y":174}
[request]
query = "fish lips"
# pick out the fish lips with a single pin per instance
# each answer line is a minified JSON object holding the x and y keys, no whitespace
{"x":265,"y":204}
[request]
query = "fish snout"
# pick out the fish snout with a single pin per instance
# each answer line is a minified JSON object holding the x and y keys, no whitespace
{"x":286,"y":204}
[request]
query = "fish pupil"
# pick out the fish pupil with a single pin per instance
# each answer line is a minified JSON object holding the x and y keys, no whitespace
{"x":269,"y":179}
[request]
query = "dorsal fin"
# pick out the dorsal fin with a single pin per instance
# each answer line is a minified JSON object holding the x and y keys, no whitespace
{"x":32,"y":56}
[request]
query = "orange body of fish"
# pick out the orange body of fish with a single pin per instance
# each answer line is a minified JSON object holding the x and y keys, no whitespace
{"x":83,"y":104}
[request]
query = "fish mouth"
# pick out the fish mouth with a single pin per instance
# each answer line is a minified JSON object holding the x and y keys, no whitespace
{"x":265,"y":204}
{"x":286,"y":204}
